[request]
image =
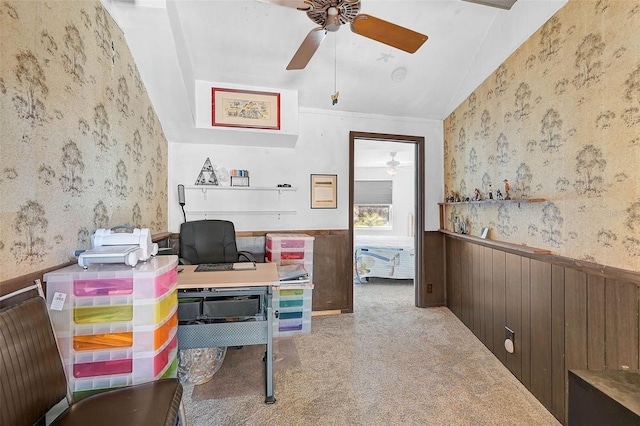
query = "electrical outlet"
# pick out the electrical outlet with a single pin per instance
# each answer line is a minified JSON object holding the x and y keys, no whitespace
{"x":429,"y":288}
{"x":509,"y":343}
{"x":509,"y":334}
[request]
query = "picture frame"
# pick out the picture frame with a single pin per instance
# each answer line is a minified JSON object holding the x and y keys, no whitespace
{"x":245,"y":108}
{"x":484,"y":233}
{"x":324,"y":191}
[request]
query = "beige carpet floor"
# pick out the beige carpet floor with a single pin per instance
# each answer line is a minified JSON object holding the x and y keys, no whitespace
{"x":389,"y":363}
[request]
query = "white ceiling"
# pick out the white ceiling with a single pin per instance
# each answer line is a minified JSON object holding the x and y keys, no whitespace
{"x":372,"y":153}
{"x":249,"y":43}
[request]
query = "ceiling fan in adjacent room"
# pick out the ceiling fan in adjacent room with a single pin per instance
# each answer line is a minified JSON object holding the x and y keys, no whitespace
{"x":392,"y":165}
{"x":331,"y":14}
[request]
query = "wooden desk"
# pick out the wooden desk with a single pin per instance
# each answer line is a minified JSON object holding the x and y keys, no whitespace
{"x":264,"y":274}
{"x":259,"y":330}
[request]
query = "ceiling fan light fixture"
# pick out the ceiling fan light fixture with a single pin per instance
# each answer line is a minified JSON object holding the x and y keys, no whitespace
{"x":393,"y":164}
{"x":333,"y":20}
{"x":399,"y":74}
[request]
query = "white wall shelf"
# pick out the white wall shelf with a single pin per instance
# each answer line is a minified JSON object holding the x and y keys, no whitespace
{"x":205,"y":188}
{"x":218,"y":213}
{"x":203,"y":211}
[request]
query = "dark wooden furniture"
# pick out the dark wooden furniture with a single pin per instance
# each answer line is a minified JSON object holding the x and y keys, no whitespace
{"x":607,"y":397}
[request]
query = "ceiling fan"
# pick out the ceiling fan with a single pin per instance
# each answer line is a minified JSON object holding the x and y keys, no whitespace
{"x":331,"y":14}
{"x":392,"y":165}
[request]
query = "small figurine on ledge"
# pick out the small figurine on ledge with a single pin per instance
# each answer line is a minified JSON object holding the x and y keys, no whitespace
{"x":462,"y":226}
{"x":490,"y":192}
{"x":476,"y":195}
{"x":507,"y":188}
{"x":499,"y":194}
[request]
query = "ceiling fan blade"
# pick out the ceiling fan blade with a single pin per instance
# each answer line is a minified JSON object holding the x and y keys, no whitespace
{"x":296,"y":4}
{"x":502,"y":4}
{"x":385,"y":32}
{"x":306,"y":50}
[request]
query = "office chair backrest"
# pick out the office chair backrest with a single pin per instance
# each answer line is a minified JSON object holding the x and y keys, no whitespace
{"x":33,"y":379}
{"x":208,"y":241}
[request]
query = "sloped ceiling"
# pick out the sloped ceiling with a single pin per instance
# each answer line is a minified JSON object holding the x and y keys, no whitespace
{"x":249,"y":43}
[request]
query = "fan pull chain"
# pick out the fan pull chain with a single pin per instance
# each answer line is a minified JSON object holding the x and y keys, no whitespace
{"x":334,"y":97}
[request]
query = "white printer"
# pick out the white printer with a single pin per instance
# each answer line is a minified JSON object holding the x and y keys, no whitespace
{"x":120,"y":244}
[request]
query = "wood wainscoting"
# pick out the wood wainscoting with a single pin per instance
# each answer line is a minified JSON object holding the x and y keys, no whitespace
{"x":332,"y":267}
{"x":433,"y":261}
{"x":332,"y":272}
{"x":565,"y":314}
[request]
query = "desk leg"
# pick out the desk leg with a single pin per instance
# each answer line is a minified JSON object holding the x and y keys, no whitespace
{"x":270,"y":398}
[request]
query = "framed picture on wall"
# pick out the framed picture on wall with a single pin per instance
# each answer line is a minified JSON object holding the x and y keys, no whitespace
{"x":324,"y":194}
{"x":244,"y":108}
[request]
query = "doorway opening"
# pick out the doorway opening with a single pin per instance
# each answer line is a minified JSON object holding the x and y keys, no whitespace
{"x":386,"y":209}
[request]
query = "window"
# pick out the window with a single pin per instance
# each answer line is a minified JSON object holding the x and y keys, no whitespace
{"x":372,"y":203}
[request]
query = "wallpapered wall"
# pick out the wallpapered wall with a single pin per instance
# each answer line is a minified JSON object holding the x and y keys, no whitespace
{"x":560,"y":119}
{"x":81,"y":146}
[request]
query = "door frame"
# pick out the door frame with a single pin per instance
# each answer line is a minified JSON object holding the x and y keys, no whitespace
{"x":419,"y":142}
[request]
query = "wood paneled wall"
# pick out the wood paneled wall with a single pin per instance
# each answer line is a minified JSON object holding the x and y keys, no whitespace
{"x":332,"y":272}
{"x":564,"y":317}
{"x":332,"y":267}
{"x":432,"y":271}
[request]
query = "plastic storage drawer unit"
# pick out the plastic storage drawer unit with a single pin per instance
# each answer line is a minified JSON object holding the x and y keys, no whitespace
{"x":115,"y":325}
{"x":293,"y":304}
{"x":290,"y":249}
{"x":276,"y":242}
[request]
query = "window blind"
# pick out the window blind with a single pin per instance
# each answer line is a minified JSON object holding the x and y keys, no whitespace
{"x":372,"y":192}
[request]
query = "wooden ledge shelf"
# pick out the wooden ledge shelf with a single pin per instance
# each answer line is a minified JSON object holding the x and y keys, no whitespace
{"x":519,"y":201}
{"x":442,"y":206}
{"x":498,"y":244}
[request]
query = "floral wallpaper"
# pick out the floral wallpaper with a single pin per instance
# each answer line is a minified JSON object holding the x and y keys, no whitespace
{"x":81,"y":147}
{"x":560,"y":120}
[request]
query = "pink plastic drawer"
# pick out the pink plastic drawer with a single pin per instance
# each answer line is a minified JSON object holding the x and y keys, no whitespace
{"x":161,"y":361}
{"x":102,"y":368}
{"x":145,"y":365}
{"x":102,"y":286}
{"x":277,"y":255}
{"x":153,"y":287}
{"x":271,"y":244}
{"x":166,"y":281}
{"x":297,"y":241}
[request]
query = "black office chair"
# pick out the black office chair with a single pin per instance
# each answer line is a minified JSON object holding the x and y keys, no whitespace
{"x":210,"y":241}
